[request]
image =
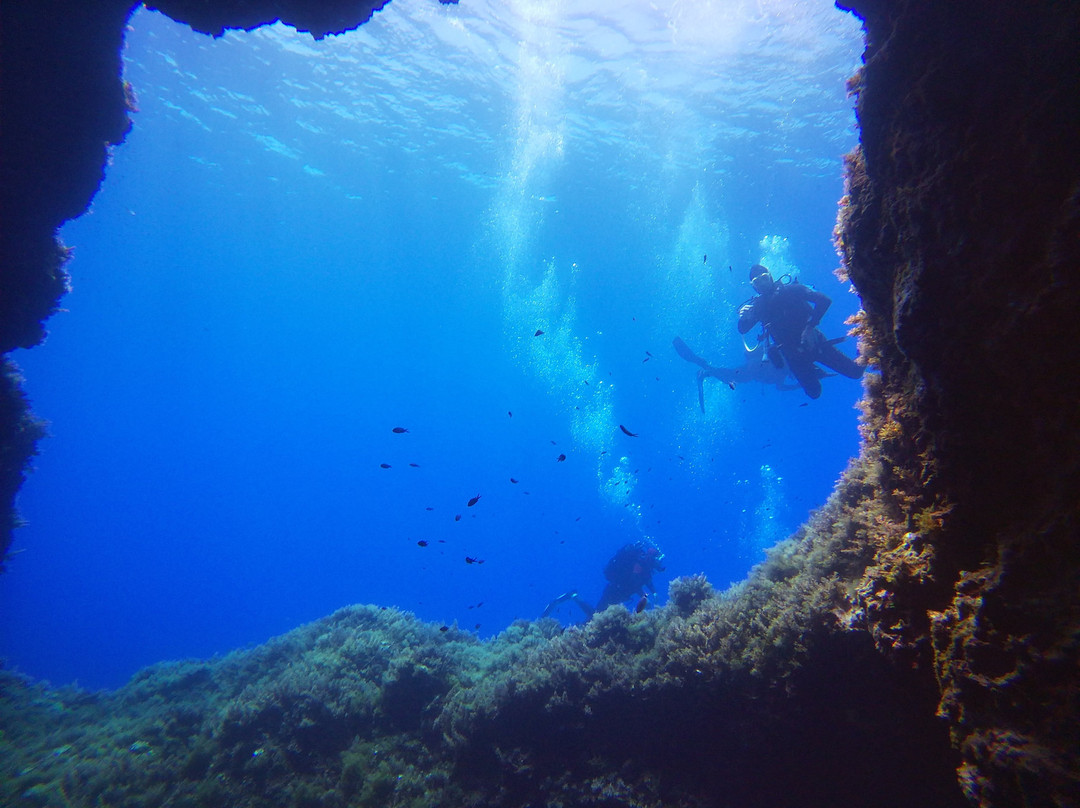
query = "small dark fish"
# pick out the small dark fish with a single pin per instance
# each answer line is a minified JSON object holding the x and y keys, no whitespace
{"x":585,"y":380}
{"x":421,"y":543}
{"x":384,"y":465}
{"x":641,"y":604}
{"x":560,"y":458}
{"x":399,"y":430}
{"x":429,"y":508}
{"x":457,"y":517}
{"x":510,"y":413}
{"x":729,"y":269}
{"x":415,"y":465}
{"x":473,"y":501}
{"x":731,"y":385}
{"x":553,"y":443}
{"x":471,"y":560}
{"x":705,"y":258}
{"x":477,"y":626}
{"x":646,"y":359}
{"x":513,"y":481}
{"x":805,"y":404}
{"x":444,"y":628}
{"x":627,"y":431}
{"x":578,"y":519}
{"x":538,"y":333}
{"x":648,"y":354}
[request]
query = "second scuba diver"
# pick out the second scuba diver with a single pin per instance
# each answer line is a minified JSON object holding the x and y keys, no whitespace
{"x":628,"y":573}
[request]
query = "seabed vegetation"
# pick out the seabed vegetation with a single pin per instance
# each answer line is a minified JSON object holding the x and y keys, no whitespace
{"x":370,"y":706}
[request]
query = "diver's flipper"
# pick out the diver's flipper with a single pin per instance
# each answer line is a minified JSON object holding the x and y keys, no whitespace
{"x":683,"y":350}
{"x":572,"y":596}
{"x":585,"y":607}
{"x":701,"y":389}
{"x":565,"y":596}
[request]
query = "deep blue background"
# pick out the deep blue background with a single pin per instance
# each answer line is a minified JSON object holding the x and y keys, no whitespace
{"x":303,"y":245}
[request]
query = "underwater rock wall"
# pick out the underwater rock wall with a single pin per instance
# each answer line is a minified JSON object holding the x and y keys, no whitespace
{"x":319,"y":19}
{"x":961,"y":232}
{"x":941,"y":576}
{"x":20,"y":432}
{"x":63,"y":104}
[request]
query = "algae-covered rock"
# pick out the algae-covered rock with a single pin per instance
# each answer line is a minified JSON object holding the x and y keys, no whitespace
{"x":369,"y":706}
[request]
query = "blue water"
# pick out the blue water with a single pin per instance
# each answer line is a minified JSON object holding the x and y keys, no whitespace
{"x":303,"y":245}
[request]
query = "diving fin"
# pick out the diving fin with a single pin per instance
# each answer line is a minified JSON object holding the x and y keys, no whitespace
{"x":585,"y":607}
{"x":565,"y":596}
{"x":683,"y":350}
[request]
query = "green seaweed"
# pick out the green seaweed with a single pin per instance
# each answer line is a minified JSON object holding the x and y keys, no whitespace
{"x":370,"y":706}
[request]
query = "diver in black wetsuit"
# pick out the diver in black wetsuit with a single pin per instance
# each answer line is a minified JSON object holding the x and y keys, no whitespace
{"x":629,"y":573}
{"x":789,"y":314}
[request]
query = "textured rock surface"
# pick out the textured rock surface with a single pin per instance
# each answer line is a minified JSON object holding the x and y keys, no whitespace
{"x":943,"y":572}
{"x":19,"y":433}
{"x":319,"y":19}
{"x":63,"y":105}
{"x":962,"y":234}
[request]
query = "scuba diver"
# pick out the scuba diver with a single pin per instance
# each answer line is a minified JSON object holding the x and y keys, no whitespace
{"x":789,"y":314}
{"x":629,"y":573}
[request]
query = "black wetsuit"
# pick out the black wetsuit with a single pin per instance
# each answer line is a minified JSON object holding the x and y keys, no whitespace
{"x":786,"y":311}
{"x":629,"y":573}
